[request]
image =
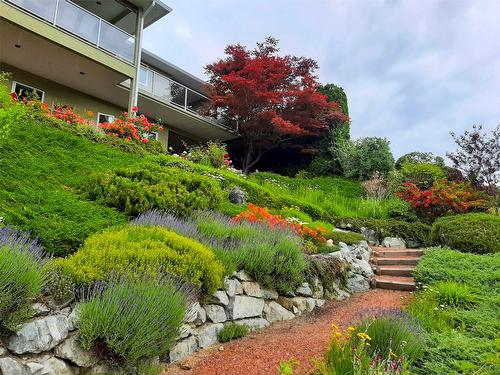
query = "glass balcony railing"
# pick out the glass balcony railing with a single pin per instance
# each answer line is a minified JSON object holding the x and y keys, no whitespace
{"x":83,"y":24}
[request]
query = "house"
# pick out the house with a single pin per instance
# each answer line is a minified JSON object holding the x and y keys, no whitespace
{"x":87,"y":54}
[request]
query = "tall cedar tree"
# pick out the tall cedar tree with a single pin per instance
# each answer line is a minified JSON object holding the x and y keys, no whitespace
{"x":271,"y":100}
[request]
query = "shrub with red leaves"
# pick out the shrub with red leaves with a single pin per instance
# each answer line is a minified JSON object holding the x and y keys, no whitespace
{"x":443,"y":198}
{"x":131,"y":128}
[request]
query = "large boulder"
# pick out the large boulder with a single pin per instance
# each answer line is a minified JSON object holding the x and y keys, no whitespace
{"x":245,"y":307}
{"x":358,"y":283}
{"x":243,"y":276}
{"x":219,"y":298}
{"x":237,"y":196}
{"x":274,"y":312}
{"x":215,"y":313}
{"x":195,"y":314}
{"x":304,"y":304}
{"x":183,"y":349}
{"x":185,"y":330}
{"x":394,"y":242}
{"x":74,"y":317}
{"x":206,"y":335}
{"x":71,"y":350}
{"x":253,"y":323}
{"x":47,"y":364}
{"x":370,"y":235}
{"x":269,"y":294}
{"x":304,"y":290}
{"x":39,"y":335}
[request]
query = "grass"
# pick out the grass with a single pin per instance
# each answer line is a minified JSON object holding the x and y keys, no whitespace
{"x":232,"y":331}
{"x":458,"y":307}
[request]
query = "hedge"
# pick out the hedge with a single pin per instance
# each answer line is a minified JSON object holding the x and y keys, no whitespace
{"x":474,"y":233}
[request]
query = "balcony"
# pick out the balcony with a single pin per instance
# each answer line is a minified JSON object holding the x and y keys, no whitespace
{"x":165,"y":90}
{"x":83,"y":24}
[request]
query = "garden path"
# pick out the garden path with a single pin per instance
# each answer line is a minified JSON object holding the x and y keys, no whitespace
{"x":303,"y":338}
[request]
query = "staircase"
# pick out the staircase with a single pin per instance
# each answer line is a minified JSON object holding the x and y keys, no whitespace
{"x":394,"y":267}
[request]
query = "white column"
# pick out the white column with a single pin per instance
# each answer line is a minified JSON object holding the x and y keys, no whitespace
{"x":134,"y":82}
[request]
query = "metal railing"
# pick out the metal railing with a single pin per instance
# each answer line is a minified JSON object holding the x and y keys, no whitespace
{"x":83,"y":24}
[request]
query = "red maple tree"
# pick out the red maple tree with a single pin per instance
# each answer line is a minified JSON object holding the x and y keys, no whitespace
{"x":271,"y":100}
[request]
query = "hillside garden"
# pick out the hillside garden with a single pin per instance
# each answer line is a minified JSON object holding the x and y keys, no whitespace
{"x":104,"y":216}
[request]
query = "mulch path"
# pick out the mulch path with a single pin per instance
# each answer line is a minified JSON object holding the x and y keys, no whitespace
{"x":303,"y":338}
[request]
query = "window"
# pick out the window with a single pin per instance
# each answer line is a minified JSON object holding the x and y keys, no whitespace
{"x":152,"y":136}
{"x":144,"y":76}
{"x":103,"y":117}
{"x":24,"y":91}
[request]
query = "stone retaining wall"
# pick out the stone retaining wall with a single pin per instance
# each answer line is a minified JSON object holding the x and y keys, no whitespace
{"x":48,"y":345}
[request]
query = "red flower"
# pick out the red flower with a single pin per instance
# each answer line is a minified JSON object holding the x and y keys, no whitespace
{"x":135,"y":108}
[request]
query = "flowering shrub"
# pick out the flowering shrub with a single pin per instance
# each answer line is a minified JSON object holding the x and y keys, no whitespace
{"x":131,"y":128}
{"x":67,"y":114}
{"x":213,"y":154}
{"x":256,"y":214}
{"x":443,"y":198}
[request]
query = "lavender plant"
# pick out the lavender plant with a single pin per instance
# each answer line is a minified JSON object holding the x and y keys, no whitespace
{"x":21,"y":278}
{"x":126,"y":322}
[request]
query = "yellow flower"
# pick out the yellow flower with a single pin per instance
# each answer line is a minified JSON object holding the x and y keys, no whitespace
{"x":351,"y":328}
{"x":335,"y":327}
{"x":364,"y":336}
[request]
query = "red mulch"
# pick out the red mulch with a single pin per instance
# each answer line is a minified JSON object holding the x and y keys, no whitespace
{"x":303,"y":338}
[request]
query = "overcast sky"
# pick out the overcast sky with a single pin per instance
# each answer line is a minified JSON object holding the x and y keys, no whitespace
{"x":413,"y":70}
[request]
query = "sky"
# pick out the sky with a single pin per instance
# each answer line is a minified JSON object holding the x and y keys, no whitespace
{"x":412,"y":70}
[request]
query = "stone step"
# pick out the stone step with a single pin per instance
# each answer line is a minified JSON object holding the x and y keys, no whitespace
{"x":395,"y":260}
{"x":393,"y":282}
{"x":386,"y":252}
{"x":396,"y":270}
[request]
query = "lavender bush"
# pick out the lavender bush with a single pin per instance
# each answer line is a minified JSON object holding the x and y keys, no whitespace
{"x":21,"y":277}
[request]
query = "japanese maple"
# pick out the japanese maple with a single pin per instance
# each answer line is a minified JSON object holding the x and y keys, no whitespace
{"x":271,"y":100}
{"x":443,"y":198}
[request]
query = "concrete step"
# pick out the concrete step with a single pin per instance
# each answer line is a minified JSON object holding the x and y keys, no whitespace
{"x":386,"y":252}
{"x":395,"y":261}
{"x":393,"y":282}
{"x":395,"y":270}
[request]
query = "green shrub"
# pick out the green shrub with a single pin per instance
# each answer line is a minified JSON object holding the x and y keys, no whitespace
{"x":398,"y":333}
{"x":429,"y":314}
{"x":348,"y":238}
{"x":421,"y":174}
{"x":21,"y":279}
{"x":137,"y":190}
{"x":400,"y":210}
{"x":474,"y":233}
{"x":212,"y":154}
{"x":232,"y":331}
{"x":417,"y":157}
{"x":132,"y":321}
{"x":415,"y":234}
{"x":143,"y":249}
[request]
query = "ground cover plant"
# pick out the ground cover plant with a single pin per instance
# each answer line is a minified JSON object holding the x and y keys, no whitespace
{"x":21,"y":277}
{"x":142,"y":249}
{"x":126,"y":322}
{"x":458,"y":305}
{"x":232,"y":331}
{"x":271,"y":256}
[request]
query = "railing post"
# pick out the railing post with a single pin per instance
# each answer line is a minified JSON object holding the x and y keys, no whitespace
{"x":152,"y":81}
{"x":55,"y":13}
{"x":185,"y":98}
{"x":99,"y":32}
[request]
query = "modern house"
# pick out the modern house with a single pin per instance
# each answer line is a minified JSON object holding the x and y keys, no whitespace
{"x":88,"y":54}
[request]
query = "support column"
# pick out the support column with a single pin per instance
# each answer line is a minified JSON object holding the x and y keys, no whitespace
{"x":134,"y":82}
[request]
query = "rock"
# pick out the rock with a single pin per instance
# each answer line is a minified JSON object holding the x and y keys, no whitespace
{"x":216,"y":313}
{"x":100,"y":369}
{"x":252,"y":289}
{"x":370,"y":235}
{"x":330,"y":243}
{"x":74,"y":317}
{"x":233,"y":287}
{"x":242,"y":276}
{"x":185,"y":330}
{"x":183,"y":349}
{"x":220,"y":298}
{"x":3,"y":351}
{"x":253,"y":323}
{"x":71,"y":350}
{"x":48,"y":365}
{"x":269,"y":294}
{"x":304,"y":304}
{"x":319,"y":302}
{"x":39,"y":309}
{"x":195,"y":314}
{"x":358,"y":283}
{"x":39,"y":335}
{"x":336,"y":292}
{"x":318,"y":290}
{"x":237,"y":196}
{"x":245,"y":307}
{"x":274,"y":312}
{"x":304,"y":290}
{"x":206,"y":335}
{"x":394,"y":242}
{"x":66,"y":311}
{"x":10,"y":366}
{"x":287,"y":303}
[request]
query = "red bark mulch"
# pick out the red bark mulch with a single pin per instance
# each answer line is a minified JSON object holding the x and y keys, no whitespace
{"x":303,"y":338}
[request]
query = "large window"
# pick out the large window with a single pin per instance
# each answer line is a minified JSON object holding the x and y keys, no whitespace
{"x":24,"y":91}
{"x":104,"y":117}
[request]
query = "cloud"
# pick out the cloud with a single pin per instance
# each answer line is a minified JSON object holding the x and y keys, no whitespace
{"x":413,"y":70}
